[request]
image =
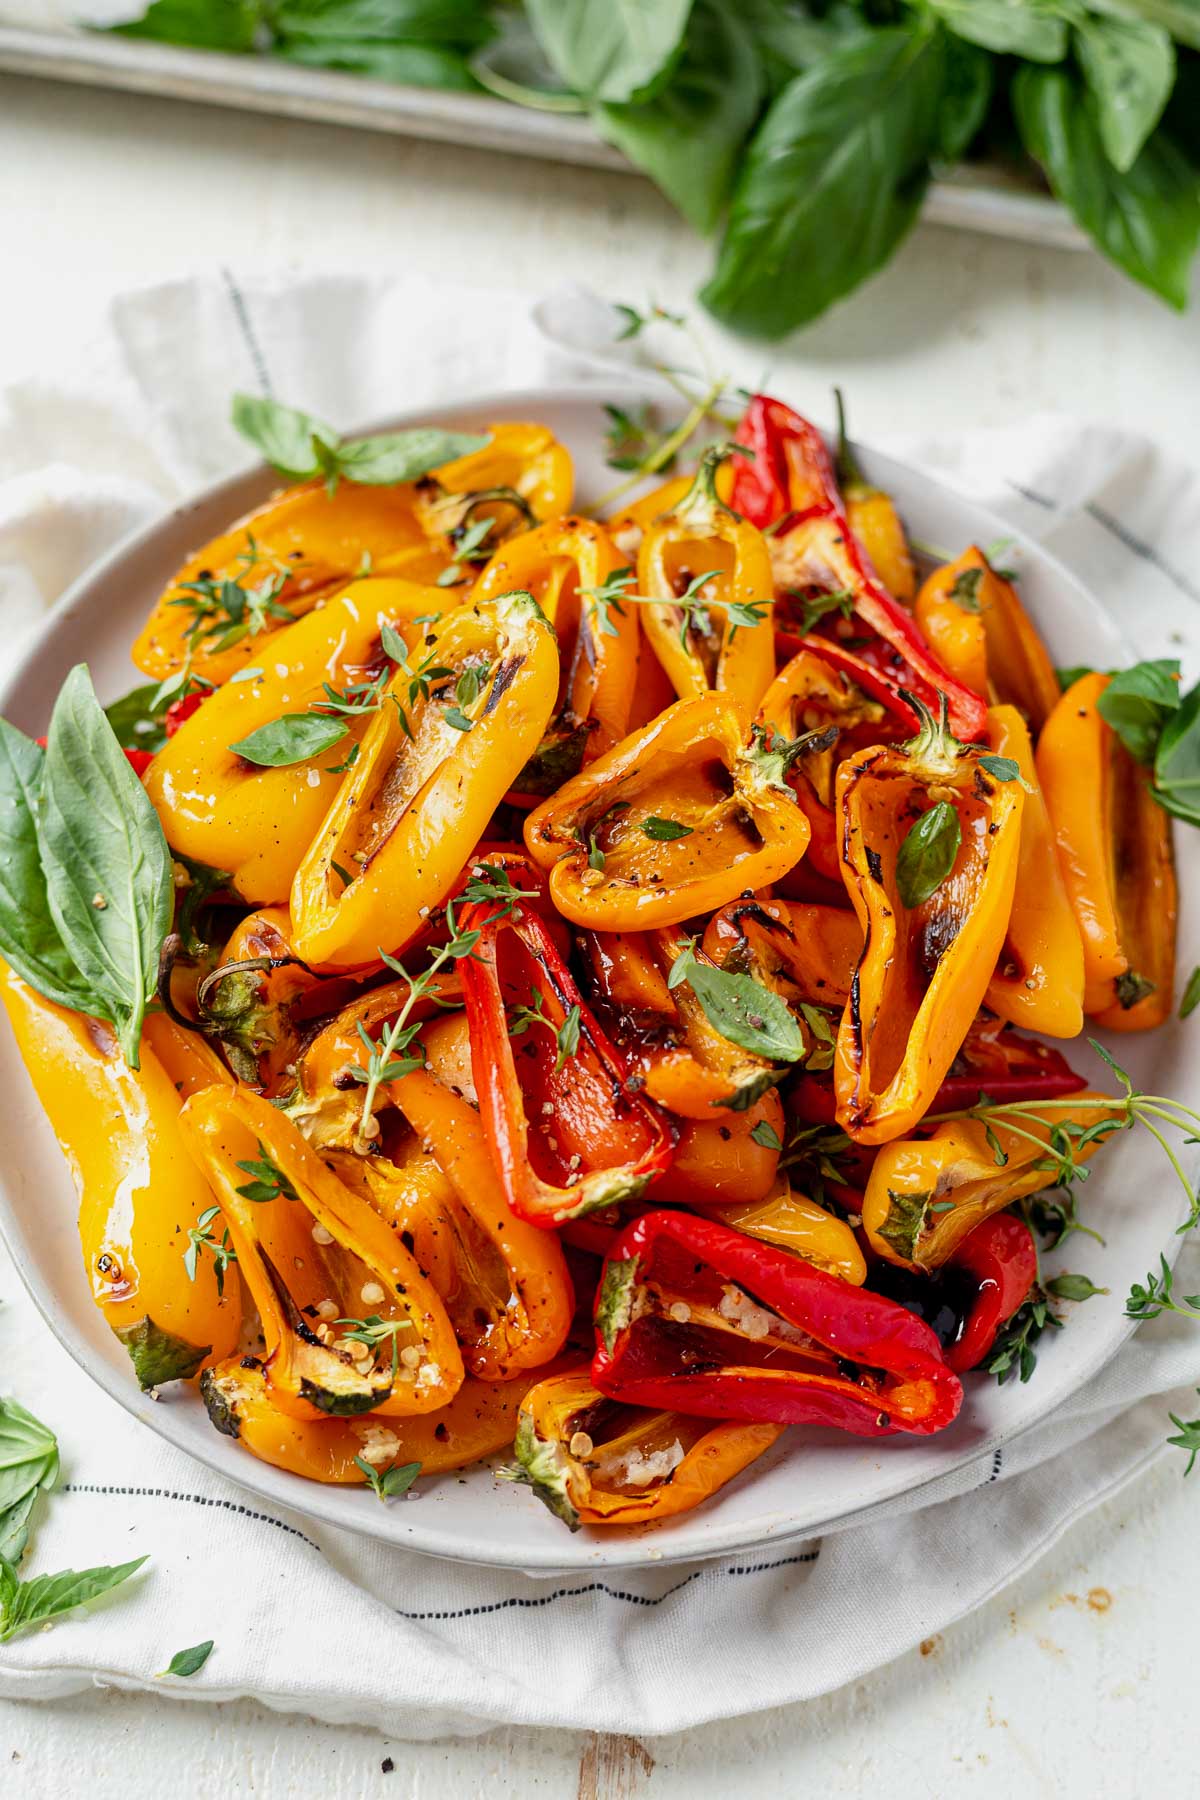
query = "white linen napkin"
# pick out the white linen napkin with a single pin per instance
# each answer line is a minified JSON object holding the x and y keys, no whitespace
{"x":313,"y":1620}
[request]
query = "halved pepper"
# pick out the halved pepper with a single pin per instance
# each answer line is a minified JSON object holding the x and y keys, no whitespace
{"x":519,"y":455}
{"x":595,"y":1461}
{"x":1114,"y":847}
{"x":803,"y":951}
{"x":249,"y":1003}
{"x":436,"y":761}
{"x":478,"y":1422}
{"x":297,"y":548}
{"x":222,"y":810}
{"x":724,"y":644}
{"x":562,"y":564}
{"x":1038,"y":981}
{"x":798,"y":1224}
{"x":674,"y":821}
{"x":926,"y":1195}
{"x":701,"y":1319}
{"x":1001,"y":1259}
{"x":974,"y":621}
{"x":924,"y":969}
{"x":139,"y":1191}
{"x":789,"y":471}
{"x":350,"y":1323}
{"x":568,"y":1130}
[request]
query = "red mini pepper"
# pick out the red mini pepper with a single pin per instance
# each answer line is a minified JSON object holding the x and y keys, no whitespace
{"x":790,"y":474}
{"x":1001,"y":1256}
{"x":698,"y":1318}
{"x":566,"y":1127}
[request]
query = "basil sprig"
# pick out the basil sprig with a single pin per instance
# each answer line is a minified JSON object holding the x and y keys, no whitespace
{"x":740,"y":1008}
{"x":28,"y":1467}
{"x":928,"y":854}
{"x":24,"y":1604}
{"x":301,"y":446}
{"x":86,"y":894}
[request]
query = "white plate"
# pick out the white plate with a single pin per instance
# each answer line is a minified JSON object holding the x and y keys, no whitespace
{"x":812,"y":1478}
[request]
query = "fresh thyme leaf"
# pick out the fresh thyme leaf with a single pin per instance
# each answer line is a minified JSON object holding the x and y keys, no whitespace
{"x":393,"y":1481}
{"x":964,"y":590}
{"x":200,"y":1238}
{"x":928,"y":854}
{"x":1013,"y":1352}
{"x":1191,"y":995}
{"x":269,"y":1181}
{"x":455,"y":716}
{"x":1073,"y":1287}
{"x":340,"y":768}
{"x":1188,"y":1438}
{"x":188,"y":1662}
{"x":814,"y":609}
{"x":567,"y":1037}
{"x":664,"y":831}
{"x":764,"y":1133}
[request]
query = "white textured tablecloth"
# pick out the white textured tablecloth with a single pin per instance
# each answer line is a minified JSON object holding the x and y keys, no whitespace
{"x":310,"y":1619}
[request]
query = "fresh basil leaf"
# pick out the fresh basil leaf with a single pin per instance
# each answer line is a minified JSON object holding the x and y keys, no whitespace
{"x":966,"y":96}
{"x":29,"y":940}
{"x":106,"y":862}
{"x":189,"y":1662}
{"x":1191,"y":995}
{"x":1147,"y":217}
{"x":1129,"y":65}
{"x":405,"y":455}
{"x":282,"y":433}
{"x":789,"y":40}
{"x":688,"y":139}
{"x":412,"y":65}
{"x":202,"y":24}
{"x":27,"y":1603}
{"x":1073,"y":1287}
{"x":610,"y":49}
{"x":764,"y":1133}
{"x":515,"y":67}
{"x":1032,"y":29}
{"x":1181,"y":18}
{"x":1177,"y":761}
{"x":293,"y":738}
{"x":28,"y":1467}
{"x":740,"y":1008}
{"x":462,"y":22}
{"x":137,"y":719}
{"x":832,"y":181}
{"x":928,"y":854}
{"x":665,"y":831}
{"x":1138,"y":702}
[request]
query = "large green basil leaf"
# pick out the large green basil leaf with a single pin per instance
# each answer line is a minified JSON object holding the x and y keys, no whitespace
{"x":515,"y":67}
{"x":1146,"y":219}
{"x":966,"y":95}
{"x":412,"y":65}
{"x":29,"y":939}
{"x":614,"y":50}
{"x":1177,"y":761}
{"x":689,"y":137}
{"x":410,"y":21}
{"x":28,"y":1467}
{"x":833,"y":180}
{"x":1129,"y":65}
{"x":201,"y":24}
{"x":1179,"y":17}
{"x":106,"y":862}
{"x":1034,"y":29}
{"x":1138,"y":702}
{"x":24,"y":1604}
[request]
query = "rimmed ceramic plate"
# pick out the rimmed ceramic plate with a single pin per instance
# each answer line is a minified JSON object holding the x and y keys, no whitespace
{"x":812,"y":1478}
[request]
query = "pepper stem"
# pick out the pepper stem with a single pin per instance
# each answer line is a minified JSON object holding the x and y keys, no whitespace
{"x":702,"y":503}
{"x":935,"y":745}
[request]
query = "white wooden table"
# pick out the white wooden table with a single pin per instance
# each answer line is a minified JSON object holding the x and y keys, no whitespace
{"x":1072,"y":1682}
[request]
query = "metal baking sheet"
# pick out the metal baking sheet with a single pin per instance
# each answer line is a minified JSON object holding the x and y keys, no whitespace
{"x":973,"y":199}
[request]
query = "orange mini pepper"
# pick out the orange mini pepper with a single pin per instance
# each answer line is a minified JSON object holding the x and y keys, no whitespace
{"x":925,"y":966}
{"x":521,"y":456}
{"x":1038,"y":981}
{"x":594,"y":1461}
{"x":722,"y":640}
{"x":722,"y":1161}
{"x":802,"y":950}
{"x":450,"y":737}
{"x":674,"y":821}
{"x":257,"y":821}
{"x":1114,"y":847}
{"x":139,"y":1192}
{"x":564,"y":564}
{"x":976,"y":624}
{"x":796,"y":1223}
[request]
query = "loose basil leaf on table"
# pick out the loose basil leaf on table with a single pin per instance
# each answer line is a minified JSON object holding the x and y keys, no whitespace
{"x":1146,"y":218}
{"x":832,"y":181}
{"x":191,"y":1661}
{"x":294,"y":738}
{"x":24,"y":1604}
{"x":105,"y":860}
{"x":1138,"y":702}
{"x":928,"y":854}
{"x":740,"y":1008}
{"x":615,"y":50}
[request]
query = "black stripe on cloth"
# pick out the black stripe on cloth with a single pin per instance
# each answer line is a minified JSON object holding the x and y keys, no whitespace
{"x":1141,"y":549}
{"x":254,"y":349}
{"x":600,"y":1587}
{"x":149,"y":1493}
{"x":996,"y":1462}
{"x":1029,"y":494}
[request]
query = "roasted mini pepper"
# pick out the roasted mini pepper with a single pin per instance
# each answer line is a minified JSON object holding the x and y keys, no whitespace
{"x":789,"y":471}
{"x":564,"y":564}
{"x":1038,"y":981}
{"x":139,"y":1192}
{"x":451,"y":735}
{"x":926,"y":1195}
{"x":722,"y":1160}
{"x":478,"y":1422}
{"x":796,"y":1223}
{"x":524,"y":457}
{"x":924,"y":968}
{"x":874,"y":519}
{"x":812,"y":700}
{"x":802,"y":951}
{"x":701,"y":1319}
{"x":567,"y":1134}
{"x":1000,"y":1259}
{"x":1114,"y":847}
{"x":721,"y":640}
{"x":225,"y":606}
{"x":349,"y":1322}
{"x":976,"y":624}
{"x":257,"y":822}
{"x":674,"y":821}
{"x":594,"y":1461}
